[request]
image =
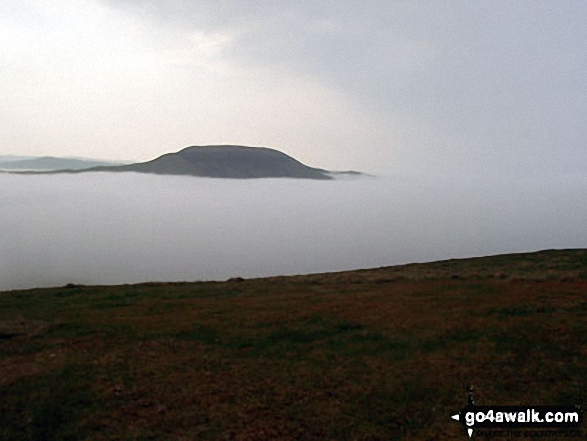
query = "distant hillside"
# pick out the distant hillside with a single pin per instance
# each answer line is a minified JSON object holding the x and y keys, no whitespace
{"x":214,"y":161}
{"x":562,"y":265}
{"x":10,"y":158}
{"x":225,"y":161}
{"x":51,"y":163}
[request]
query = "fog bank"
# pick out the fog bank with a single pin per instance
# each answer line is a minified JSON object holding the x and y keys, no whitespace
{"x":101,"y":228}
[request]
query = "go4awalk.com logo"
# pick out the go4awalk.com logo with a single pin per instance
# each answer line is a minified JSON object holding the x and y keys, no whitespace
{"x":518,"y":417}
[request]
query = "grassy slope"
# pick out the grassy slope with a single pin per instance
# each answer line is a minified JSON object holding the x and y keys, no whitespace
{"x":372,"y":354}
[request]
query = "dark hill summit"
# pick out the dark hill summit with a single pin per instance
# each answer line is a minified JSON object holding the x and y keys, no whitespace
{"x":225,"y":161}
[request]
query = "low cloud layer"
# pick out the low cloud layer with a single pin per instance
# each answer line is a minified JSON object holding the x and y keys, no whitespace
{"x":100,"y":228}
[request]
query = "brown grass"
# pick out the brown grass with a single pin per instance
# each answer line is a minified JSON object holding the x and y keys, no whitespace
{"x":372,"y":354}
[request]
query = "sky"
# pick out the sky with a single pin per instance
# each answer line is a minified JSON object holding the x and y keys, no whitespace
{"x":390,"y":87}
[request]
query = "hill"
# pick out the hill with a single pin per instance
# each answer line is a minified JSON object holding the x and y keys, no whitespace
{"x":51,"y":163}
{"x":10,"y":158}
{"x":225,"y":161}
{"x":382,"y":353}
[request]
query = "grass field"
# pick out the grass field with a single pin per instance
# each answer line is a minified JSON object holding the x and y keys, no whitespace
{"x":381,"y":354}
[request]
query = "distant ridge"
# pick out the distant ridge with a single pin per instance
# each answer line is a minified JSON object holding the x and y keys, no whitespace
{"x":50,"y":163}
{"x":223,"y":161}
{"x":214,"y":161}
{"x":10,"y":158}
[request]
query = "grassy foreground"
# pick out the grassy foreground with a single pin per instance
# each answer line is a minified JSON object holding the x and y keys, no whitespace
{"x":380,"y":354}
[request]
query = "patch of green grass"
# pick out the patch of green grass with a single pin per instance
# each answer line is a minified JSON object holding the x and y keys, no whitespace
{"x":162,"y":308}
{"x":536,"y":340}
{"x":519,"y":311}
{"x":389,"y":409}
{"x":329,"y":339}
{"x":68,"y":292}
{"x":113,"y":304}
{"x":23,"y":347}
{"x":483,"y":288}
{"x":201,"y":333}
{"x":452,"y":338}
{"x":72,"y":329}
{"x":47,"y":407}
{"x":114,"y":300}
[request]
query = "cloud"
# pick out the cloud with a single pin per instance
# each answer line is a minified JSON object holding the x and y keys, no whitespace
{"x":84,"y":79}
{"x":100,"y":228}
{"x":480,"y":85}
{"x":452,"y":87}
{"x":367,"y":46}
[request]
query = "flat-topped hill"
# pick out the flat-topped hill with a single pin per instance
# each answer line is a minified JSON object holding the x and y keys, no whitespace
{"x":225,"y":161}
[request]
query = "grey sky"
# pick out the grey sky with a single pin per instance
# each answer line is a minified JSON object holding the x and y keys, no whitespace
{"x":412,"y":87}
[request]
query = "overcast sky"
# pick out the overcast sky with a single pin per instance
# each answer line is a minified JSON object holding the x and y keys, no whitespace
{"x":381,"y":86}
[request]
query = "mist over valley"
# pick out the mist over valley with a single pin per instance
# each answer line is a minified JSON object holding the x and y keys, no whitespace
{"x":112,"y":228}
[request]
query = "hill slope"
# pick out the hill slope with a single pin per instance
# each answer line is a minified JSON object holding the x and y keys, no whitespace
{"x":11,"y":158}
{"x":225,"y":161}
{"x":385,"y":353}
{"x":52,"y":163}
